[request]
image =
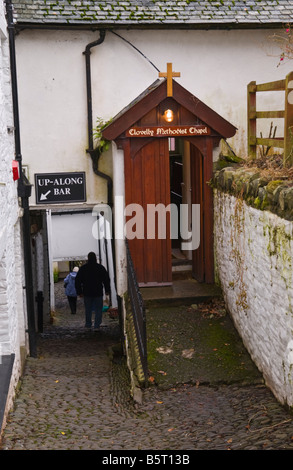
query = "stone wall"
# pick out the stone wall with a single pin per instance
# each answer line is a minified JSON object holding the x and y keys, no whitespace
{"x":254,"y":255}
{"x":12,"y":314}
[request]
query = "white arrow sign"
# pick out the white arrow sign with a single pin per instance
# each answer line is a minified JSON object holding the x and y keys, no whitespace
{"x":44,"y":196}
{"x":54,"y":188}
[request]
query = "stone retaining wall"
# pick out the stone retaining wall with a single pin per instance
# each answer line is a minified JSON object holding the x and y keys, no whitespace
{"x":264,"y":192}
{"x":254,"y":254}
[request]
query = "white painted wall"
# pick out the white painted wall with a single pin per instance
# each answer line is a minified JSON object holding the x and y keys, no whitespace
{"x":215,"y":66}
{"x":254,"y":253}
{"x":119,"y":220}
{"x":68,"y":230}
{"x":12,"y":309}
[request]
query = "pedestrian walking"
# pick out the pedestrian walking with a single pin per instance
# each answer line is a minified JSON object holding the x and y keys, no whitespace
{"x":91,"y":281}
{"x":70,"y":290}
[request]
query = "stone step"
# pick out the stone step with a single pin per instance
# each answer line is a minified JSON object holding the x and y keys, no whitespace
{"x":181,"y":292}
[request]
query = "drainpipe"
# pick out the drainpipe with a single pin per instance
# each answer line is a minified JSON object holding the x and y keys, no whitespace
{"x":95,"y":153}
{"x":24,"y":188}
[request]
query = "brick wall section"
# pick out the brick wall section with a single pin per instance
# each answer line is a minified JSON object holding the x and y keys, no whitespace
{"x":254,"y":255}
{"x":12,"y":322}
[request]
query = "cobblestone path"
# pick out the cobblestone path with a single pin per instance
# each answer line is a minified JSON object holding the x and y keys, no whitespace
{"x":74,"y":396}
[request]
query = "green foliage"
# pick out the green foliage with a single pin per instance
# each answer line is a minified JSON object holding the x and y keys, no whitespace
{"x":102,"y":144}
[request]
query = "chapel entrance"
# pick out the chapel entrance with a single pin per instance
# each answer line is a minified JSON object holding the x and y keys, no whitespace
{"x":187,"y":191}
{"x":169,"y":210}
{"x":147,"y":200}
{"x":143,"y":131}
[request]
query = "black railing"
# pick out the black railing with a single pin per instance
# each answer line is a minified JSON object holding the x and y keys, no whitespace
{"x":138,"y":311}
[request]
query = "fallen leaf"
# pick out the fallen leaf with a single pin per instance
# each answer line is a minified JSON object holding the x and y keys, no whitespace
{"x":162,"y":372}
{"x":188,"y":353}
{"x":164,"y":350}
{"x":160,"y":402}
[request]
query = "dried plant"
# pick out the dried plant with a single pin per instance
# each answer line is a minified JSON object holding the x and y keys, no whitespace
{"x":284,"y":41}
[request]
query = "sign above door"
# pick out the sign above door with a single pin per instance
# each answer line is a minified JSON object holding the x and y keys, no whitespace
{"x":169,"y":131}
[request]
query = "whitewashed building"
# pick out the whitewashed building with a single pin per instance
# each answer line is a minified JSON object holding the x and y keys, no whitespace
{"x":14,"y":343}
{"x":83,"y":61}
{"x":79,"y":62}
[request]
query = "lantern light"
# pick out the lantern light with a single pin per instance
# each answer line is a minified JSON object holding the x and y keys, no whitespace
{"x":168,"y":115}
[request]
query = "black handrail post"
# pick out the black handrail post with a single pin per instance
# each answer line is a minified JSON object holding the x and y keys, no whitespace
{"x":138,"y":311}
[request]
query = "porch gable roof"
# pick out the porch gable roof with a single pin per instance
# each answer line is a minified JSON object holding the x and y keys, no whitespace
{"x":152,"y":97}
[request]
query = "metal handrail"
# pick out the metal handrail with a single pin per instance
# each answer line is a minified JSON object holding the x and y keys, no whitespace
{"x":138,"y":310}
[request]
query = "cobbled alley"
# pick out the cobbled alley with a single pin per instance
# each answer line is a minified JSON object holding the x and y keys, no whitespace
{"x":75,"y":396}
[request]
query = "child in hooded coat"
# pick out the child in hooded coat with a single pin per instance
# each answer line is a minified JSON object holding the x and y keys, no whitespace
{"x":70,"y":291}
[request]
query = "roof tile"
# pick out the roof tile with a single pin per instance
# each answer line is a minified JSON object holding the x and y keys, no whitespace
{"x":148,"y":12}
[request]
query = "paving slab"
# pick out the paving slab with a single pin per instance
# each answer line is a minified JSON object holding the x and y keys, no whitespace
{"x":181,"y":290}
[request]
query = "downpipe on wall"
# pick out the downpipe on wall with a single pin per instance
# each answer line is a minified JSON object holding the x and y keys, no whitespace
{"x":95,"y":153}
{"x":24,"y":188}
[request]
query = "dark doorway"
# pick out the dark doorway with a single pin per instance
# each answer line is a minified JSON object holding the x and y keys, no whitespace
{"x":176,"y":182}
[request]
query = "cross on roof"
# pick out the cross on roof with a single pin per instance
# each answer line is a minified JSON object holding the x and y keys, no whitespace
{"x":170,"y":74}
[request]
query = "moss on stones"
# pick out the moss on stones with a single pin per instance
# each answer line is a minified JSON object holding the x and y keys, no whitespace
{"x":217,"y":354}
{"x":263,"y":193}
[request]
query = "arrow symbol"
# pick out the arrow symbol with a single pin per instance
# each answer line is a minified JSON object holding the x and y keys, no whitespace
{"x":44,"y":196}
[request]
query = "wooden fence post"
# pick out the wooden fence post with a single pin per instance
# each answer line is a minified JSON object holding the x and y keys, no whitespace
{"x":288,"y":124}
{"x":251,"y":119}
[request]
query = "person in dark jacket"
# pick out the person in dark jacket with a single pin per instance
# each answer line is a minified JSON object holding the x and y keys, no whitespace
{"x":70,"y":291}
{"x":91,"y":281}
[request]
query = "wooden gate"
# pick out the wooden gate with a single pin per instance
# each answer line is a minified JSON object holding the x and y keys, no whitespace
{"x":285,"y":142}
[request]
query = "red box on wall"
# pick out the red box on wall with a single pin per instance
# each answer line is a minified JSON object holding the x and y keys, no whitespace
{"x":15,"y":170}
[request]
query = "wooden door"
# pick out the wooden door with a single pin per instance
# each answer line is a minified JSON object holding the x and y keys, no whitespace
{"x":201,"y":174}
{"x":196,"y":168}
{"x":147,"y":183}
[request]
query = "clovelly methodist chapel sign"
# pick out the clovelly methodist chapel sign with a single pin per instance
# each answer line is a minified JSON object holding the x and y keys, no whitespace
{"x":170,"y":131}
{"x":54,"y":188}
